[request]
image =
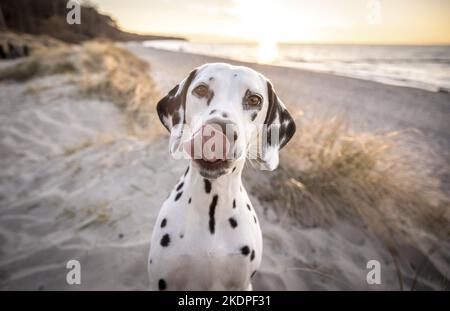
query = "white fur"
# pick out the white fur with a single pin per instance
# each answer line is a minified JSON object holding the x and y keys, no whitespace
{"x":201,"y":260}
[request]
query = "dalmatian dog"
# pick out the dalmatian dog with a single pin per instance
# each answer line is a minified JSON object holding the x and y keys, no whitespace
{"x":207,"y":234}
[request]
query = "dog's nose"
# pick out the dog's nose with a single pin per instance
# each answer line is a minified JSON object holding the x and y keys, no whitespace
{"x":227,"y":127}
{"x":213,"y":141}
{"x":220,"y":113}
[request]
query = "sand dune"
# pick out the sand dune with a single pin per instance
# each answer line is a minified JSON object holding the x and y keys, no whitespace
{"x":74,"y":184}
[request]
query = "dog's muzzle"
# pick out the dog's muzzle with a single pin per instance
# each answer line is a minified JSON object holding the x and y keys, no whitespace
{"x":214,"y":141}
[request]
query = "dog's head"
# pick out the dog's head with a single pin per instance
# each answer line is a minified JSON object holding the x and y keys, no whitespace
{"x":221,"y":114}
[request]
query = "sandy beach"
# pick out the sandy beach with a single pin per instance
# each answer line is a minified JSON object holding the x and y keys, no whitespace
{"x":74,"y":184}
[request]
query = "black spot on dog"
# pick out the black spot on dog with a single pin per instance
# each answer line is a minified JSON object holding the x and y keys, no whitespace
{"x":120,"y":235}
{"x":187,"y":171}
{"x":235,"y":136}
{"x":233,"y":222}
{"x":269,"y":136}
{"x":245,"y":250}
{"x":235,"y":75}
{"x":210,"y":97}
{"x":212,"y":211}
{"x":248,"y":207}
{"x":151,"y":261}
{"x":253,"y":274}
{"x":207,"y":185}
{"x":234,"y":168}
{"x":190,"y":200}
{"x":179,"y":194}
{"x":176,"y":118}
{"x":163,"y":223}
{"x":181,"y":235}
{"x":211,"y":78}
{"x":225,"y":115}
{"x":162,"y":284}
{"x":254,"y":218}
{"x":213,"y":111}
{"x":282,"y":132}
{"x":254,"y":115}
{"x":180,"y":186}
{"x":165,"y":241}
{"x":234,"y":203}
{"x":252,"y":255}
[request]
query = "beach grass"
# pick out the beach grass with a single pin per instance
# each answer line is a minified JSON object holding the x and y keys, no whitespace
{"x":102,"y":70}
{"x":116,"y":75}
{"x":329,"y":172}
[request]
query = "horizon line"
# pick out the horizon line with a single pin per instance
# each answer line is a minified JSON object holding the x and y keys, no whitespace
{"x":210,"y":38}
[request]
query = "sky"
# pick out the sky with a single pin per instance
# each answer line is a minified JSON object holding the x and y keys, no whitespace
{"x":307,"y":21}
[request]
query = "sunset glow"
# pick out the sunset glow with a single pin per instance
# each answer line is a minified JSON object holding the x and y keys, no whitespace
{"x":321,"y":21}
{"x":267,"y":51}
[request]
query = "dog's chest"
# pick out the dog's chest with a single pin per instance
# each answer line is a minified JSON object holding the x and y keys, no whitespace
{"x":208,"y":241}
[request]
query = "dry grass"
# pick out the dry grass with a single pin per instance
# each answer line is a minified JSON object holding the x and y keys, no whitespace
{"x":329,"y":172}
{"x":73,"y":150}
{"x":103,"y":70}
{"x":35,"y":43}
{"x":116,"y":75}
{"x":43,"y":62}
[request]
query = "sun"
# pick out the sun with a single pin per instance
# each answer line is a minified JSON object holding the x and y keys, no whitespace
{"x":267,"y":51}
{"x":250,"y":12}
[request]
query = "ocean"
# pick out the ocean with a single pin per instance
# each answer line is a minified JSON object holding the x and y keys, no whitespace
{"x":423,"y":67}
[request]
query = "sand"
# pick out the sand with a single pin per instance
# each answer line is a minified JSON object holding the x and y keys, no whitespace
{"x":75,"y":185}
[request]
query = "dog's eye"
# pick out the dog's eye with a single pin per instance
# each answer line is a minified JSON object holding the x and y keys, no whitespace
{"x":201,"y":91}
{"x":254,"y":100}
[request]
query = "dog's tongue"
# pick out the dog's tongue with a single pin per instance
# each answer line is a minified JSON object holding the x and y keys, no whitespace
{"x":208,"y":143}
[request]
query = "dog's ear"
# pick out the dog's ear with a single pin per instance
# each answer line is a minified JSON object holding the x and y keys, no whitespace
{"x":278,"y":129}
{"x":171,"y":107}
{"x":171,"y":110}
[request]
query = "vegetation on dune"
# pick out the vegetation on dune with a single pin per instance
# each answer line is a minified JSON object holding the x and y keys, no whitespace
{"x":102,"y":70}
{"x":48,"y":17}
{"x":329,"y":172}
{"x":117,"y":75}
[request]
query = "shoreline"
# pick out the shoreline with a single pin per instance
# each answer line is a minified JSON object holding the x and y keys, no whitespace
{"x":438,"y":89}
{"x":401,"y":81}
